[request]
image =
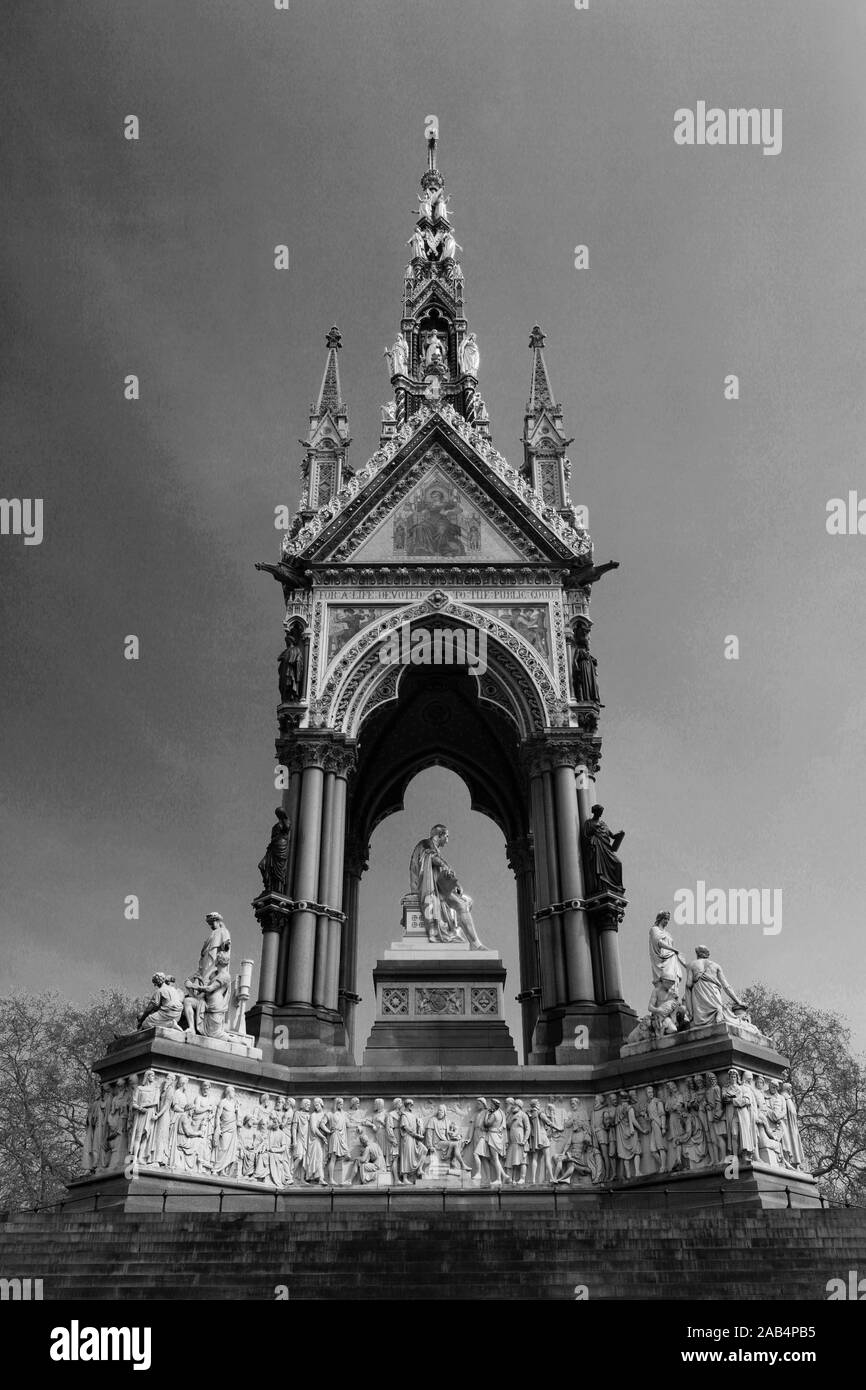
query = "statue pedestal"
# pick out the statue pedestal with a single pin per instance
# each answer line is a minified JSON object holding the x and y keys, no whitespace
{"x":440,"y":1005}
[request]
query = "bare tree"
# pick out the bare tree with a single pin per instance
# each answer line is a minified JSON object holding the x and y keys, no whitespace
{"x":829,"y":1086}
{"x":47,"y":1049}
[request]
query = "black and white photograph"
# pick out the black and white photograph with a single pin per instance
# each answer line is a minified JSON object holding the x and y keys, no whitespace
{"x":433,"y":546}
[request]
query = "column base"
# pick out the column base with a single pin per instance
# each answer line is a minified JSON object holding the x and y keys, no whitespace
{"x":300,"y":1035}
{"x":555,"y":1041}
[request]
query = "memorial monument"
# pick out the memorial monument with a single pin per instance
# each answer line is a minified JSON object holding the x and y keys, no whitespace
{"x":439,"y":535}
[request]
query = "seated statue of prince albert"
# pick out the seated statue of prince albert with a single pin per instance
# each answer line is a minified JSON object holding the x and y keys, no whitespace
{"x":445,"y":908}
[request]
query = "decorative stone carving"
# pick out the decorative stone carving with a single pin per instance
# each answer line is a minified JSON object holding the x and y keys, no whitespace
{"x":274,"y":866}
{"x":435,"y":1000}
{"x":173,"y":1126}
{"x":395,"y":1001}
{"x":663,"y":1007}
{"x":483,"y":999}
{"x":665,"y":960}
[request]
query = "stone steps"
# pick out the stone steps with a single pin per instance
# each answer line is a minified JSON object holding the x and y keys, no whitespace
{"x":479,"y":1255}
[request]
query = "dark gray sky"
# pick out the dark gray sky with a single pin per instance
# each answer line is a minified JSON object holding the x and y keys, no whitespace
{"x":260,"y":127}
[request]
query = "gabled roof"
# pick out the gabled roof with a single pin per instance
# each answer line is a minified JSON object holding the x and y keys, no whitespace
{"x":440,"y":436}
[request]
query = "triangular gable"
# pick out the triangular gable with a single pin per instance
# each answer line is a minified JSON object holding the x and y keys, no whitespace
{"x":443,"y":516}
{"x":489,"y":503}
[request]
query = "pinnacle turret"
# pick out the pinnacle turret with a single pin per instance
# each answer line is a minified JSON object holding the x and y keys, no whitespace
{"x":435,"y":358}
{"x":545,"y":464}
{"x":325,"y":468}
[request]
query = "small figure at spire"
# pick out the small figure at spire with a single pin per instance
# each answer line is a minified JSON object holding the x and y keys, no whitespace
{"x":431,"y":131}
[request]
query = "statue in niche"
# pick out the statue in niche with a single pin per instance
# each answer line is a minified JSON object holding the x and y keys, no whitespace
{"x":657,"y":1120}
{"x":584,"y":668}
{"x":225,"y":1137}
{"x":274,"y":867}
{"x":665,"y":960}
{"x":793,"y":1128}
{"x":290,"y":669}
{"x":706,"y":988}
{"x":301,"y":1137}
{"x":143,"y":1106}
{"x":446,"y":909}
{"x":628,"y":1132}
{"x":398,"y":355}
{"x":164,"y":1007}
{"x":517,"y":1157}
{"x":663,"y":1007}
{"x":602,"y":865}
{"x":470,"y":357}
{"x":434,"y":350}
{"x":314,"y":1163}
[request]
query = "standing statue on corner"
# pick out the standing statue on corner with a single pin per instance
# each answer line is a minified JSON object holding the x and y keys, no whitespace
{"x":601,"y":862}
{"x":290,"y":665}
{"x":584,"y":669}
{"x":274,"y":867}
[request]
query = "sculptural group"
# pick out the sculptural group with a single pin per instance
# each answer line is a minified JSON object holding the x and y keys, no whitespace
{"x":168,"y":1123}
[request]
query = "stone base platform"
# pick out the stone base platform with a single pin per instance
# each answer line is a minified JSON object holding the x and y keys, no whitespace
{"x":478,"y":1248}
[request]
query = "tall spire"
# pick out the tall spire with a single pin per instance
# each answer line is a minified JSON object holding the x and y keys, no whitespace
{"x":435,"y":359}
{"x":545,"y":464}
{"x":330,"y":397}
{"x":326,"y":467}
{"x":540,"y":394}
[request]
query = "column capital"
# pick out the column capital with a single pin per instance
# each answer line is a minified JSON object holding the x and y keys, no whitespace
{"x":329,"y":752}
{"x":520,"y":856}
{"x":566,"y":748}
{"x":605,"y":911}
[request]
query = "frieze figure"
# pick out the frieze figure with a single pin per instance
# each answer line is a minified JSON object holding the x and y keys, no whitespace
{"x":225,"y":1158}
{"x":301,"y":1138}
{"x":519,"y":1130}
{"x":144,"y":1103}
{"x":314,"y":1163}
{"x":94,"y":1130}
{"x":792,"y":1127}
{"x":413,"y":1150}
{"x":274,"y":866}
{"x":657,"y":1120}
